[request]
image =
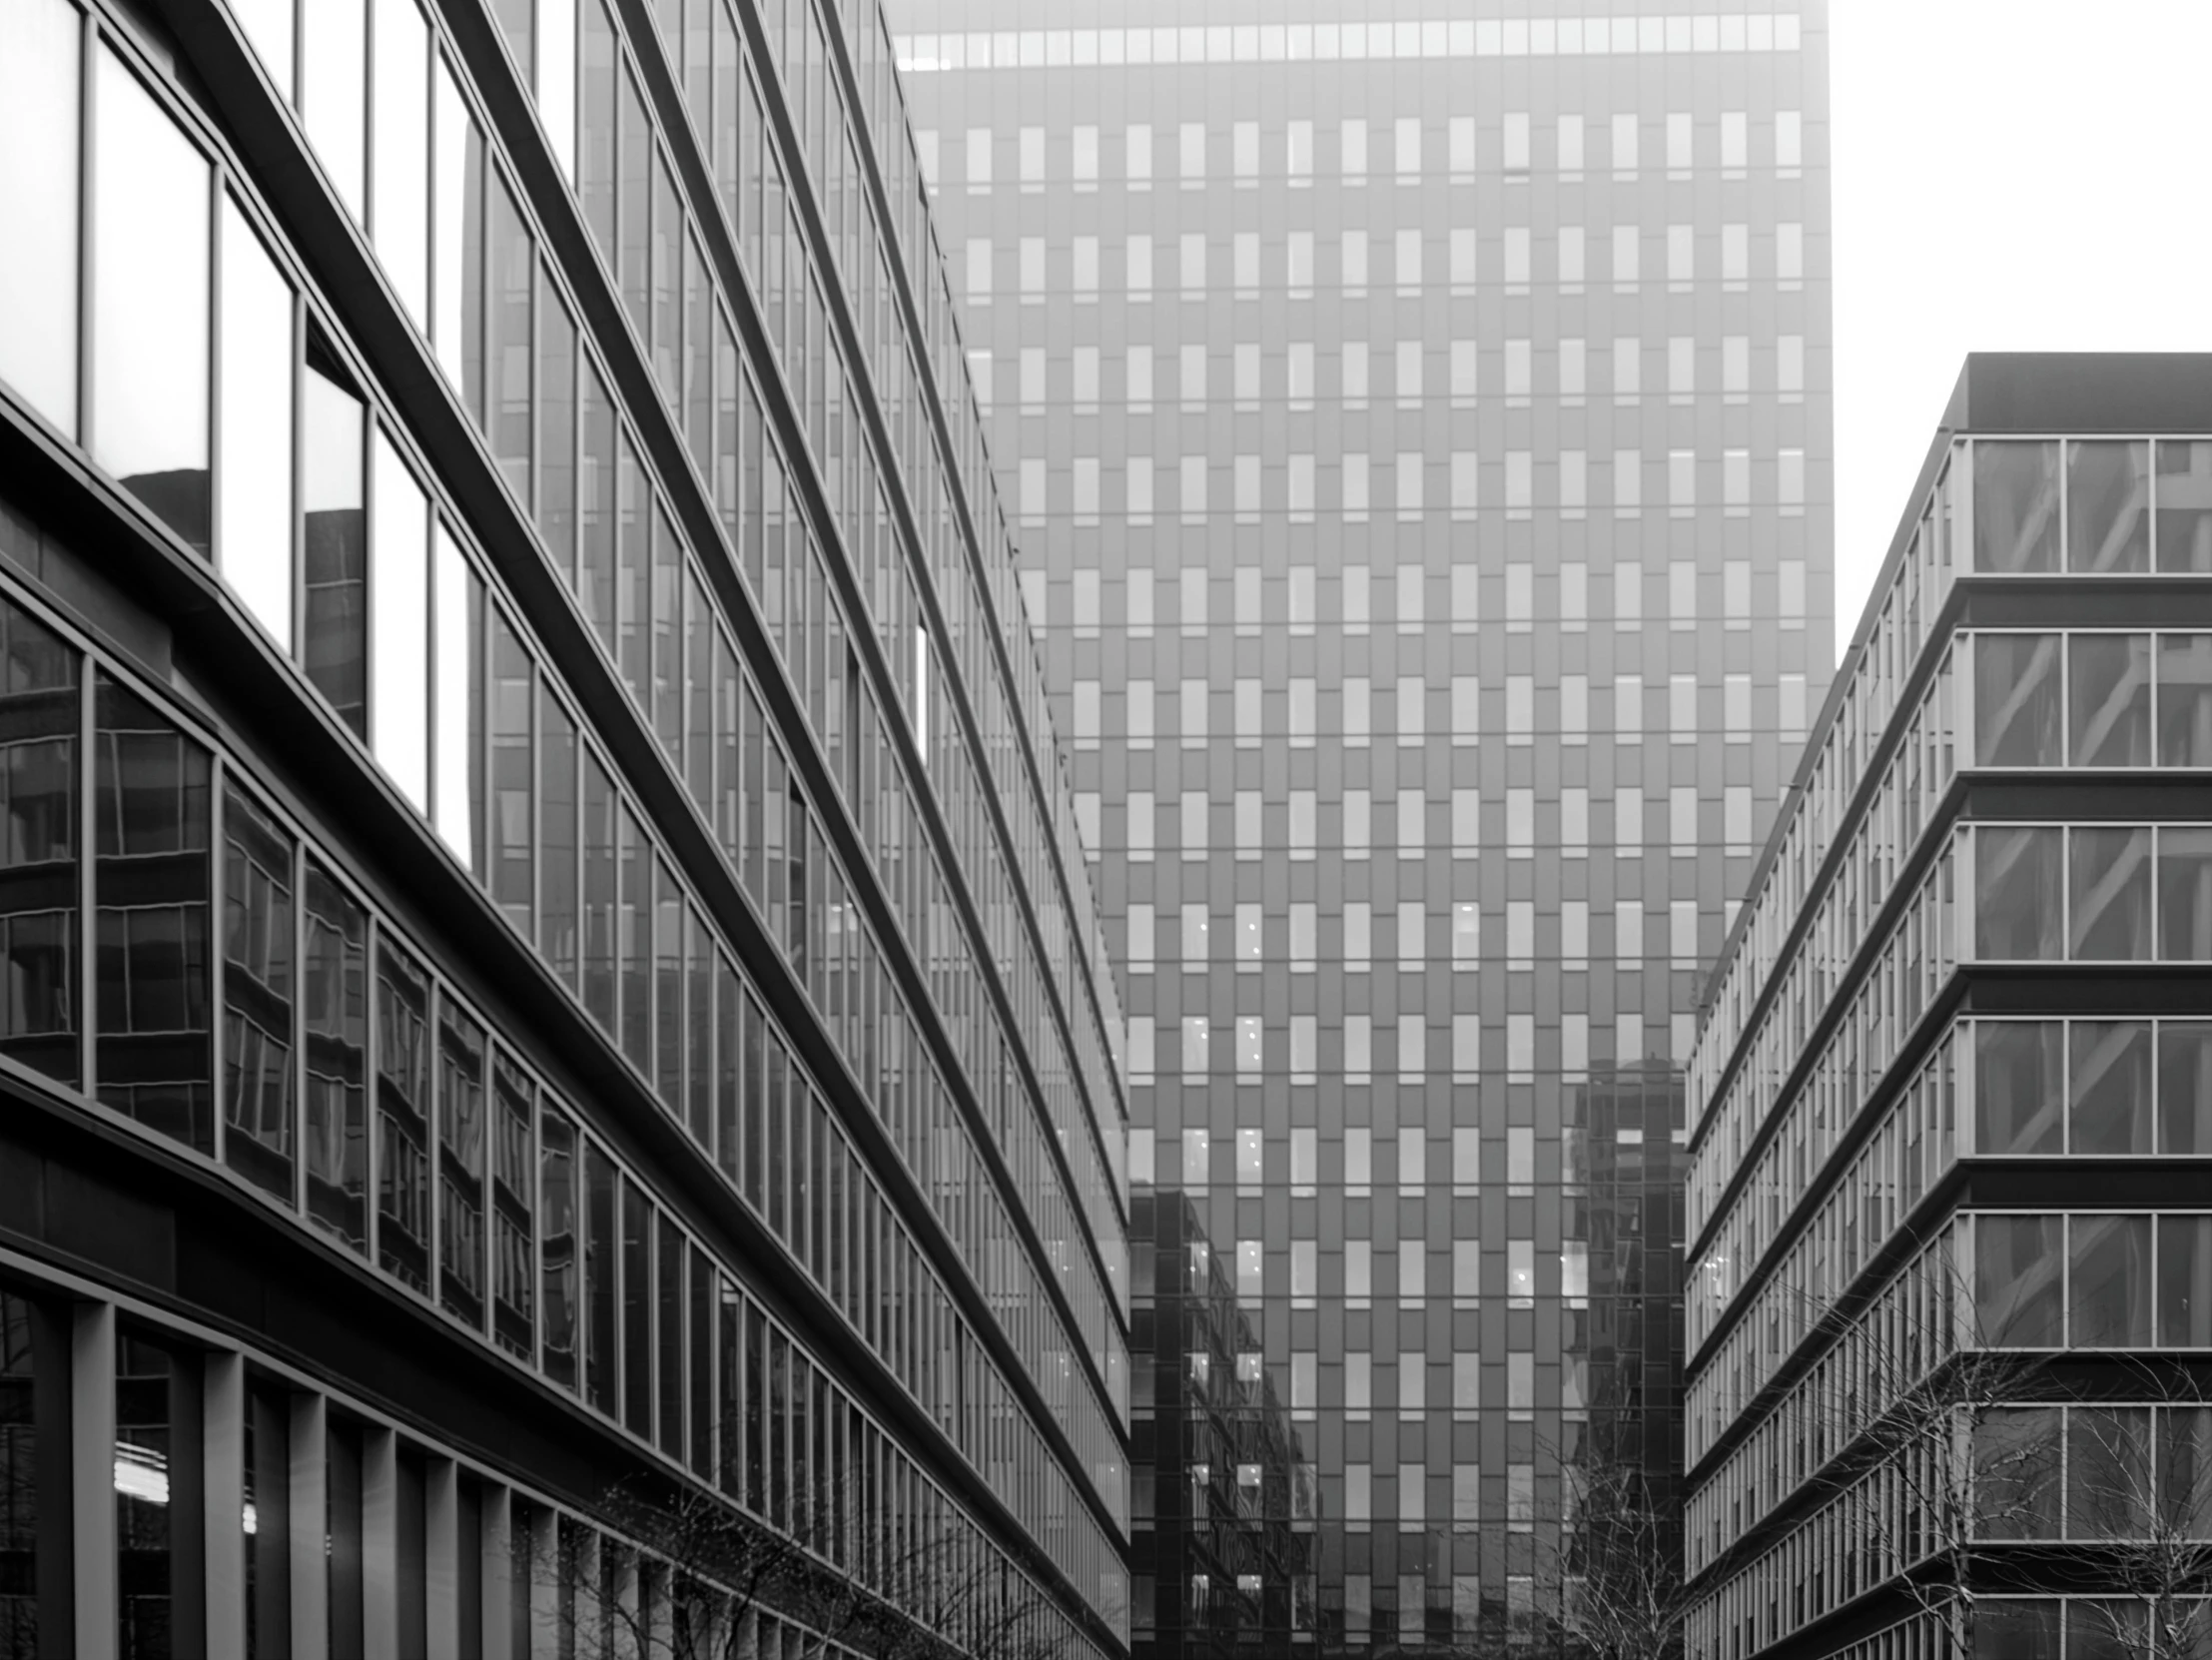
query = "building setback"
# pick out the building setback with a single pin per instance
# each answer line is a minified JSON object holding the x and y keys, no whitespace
{"x":1416,"y":420}
{"x":1947,"y":1188}
{"x":551,"y":996}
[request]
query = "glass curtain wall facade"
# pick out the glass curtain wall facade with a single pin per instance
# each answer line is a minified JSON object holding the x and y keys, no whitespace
{"x":547,"y":972}
{"x":1417,"y":422}
{"x":1948,"y":1221}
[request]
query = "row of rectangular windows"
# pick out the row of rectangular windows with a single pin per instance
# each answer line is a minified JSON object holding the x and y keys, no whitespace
{"x":1407,"y":134}
{"x":1292,"y":253}
{"x":1509,"y":37}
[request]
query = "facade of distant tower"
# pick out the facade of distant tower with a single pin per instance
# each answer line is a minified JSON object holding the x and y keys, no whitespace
{"x":1416,"y":422}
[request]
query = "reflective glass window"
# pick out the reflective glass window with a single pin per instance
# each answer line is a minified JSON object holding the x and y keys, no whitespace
{"x":2185,"y":1297}
{"x":456,"y":203}
{"x":2185,"y":894}
{"x":260,"y":983}
{"x":2018,"y":1085}
{"x":2017,"y":1278}
{"x":461,"y":1116}
{"x":334,"y":1029}
{"x":39,"y":81}
{"x":334,"y":652}
{"x":403,"y":1070}
{"x":2184,"y":487}
{"x":40,"y":714}
{"x":508,"y":341}
{"x":2108,"y":1284}
{"x":2019,"y":897}
{"x":334,"y":91}
{"x":2109,"y":1087}
{"x":150,"y":204}
{"x":400,"y":208}
{"x":2015,"y":507}
{"x":151,"y":880}
{"x":503,"y":805}
{"x":458,"y":604}
{"x":559,"y":1216}
{"x":254,"y":519}
{"x":2184,"y":700}
{"x":2108,"y":690}
{"x":2109,"y":898}
{"x":2185,"y":1086}
{"x":399,"y":596}
{"x":2108,"y":506}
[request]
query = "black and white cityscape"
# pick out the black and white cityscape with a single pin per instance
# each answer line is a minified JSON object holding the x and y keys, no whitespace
{"x":1037,"y":830}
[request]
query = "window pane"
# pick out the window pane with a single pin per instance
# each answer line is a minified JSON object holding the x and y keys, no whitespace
{"x":2016,"y":708}
{"x":2185,"y":1086}
{"x":258,"y":992}
{"x":2017,"y":1085}
{"x":2108,"y":1290}
{"x":403,"y":1118}
{"x":2016,"y":1628}
{"x":41,"y":988}
{"x":2108,"y":506}
{"x":457,"y":159}
{"x":2018,"y":900}
{"x":2185,"y":895}
{"x":461,"y":1164}
{"x":2110,"y":1087}
{"x":2015,"y":507}
{"x":151,"y":882}
{"x":252,"y":542}
{"x":458,"y":728}
{"x":401,"y":128}
{"x":39,"y":80}
{"x":336,"y":1028}
{"x":145,"y":1570}
{"x":2108,"y":1478}
{"x":513,"y":1182}
{"x":149,"y":195}
{"x":334,"y":91}
{"x":2184,"y":506}
{"x":337,"y":545}
{"x":508,"y":346}
{"x":502,"y":821}
{"x":398,"y":593}
{"x":560,"y":1258}
{"x":2184,"y":700}
{"x":556,"y":844}
{"x":2109,"y":686}
{"x":2109,"y":914}
{"x":2016,"y":1462}
{"x":2016,"y":1281}
{"x":2185,"y":1282}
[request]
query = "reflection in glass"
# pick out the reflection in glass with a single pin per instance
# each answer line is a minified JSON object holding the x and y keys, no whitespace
{"x":2109,"y":893}
{"x":600,"y":1351}
{"x":2016,"y":506}
{"x":601,"y":58}
{"x":595,"y":568}
{"x":151,"y":879}
{"x":2109,"y":1287}
{"x":2016,"y":1281}
{"x":2185,"y":1297}
{"x":455,"y":149}
{"x":333,"y":92}
{"x":2109,"y":1088}
{"x":257,"y":990}
{"x":2018,"y":896}
{"x":509,"y":345}
{"x":39,"y":81}
{"x":2016,"y":701}
{"x":2108,"y":506}
{"x":2108,"y":688}
{"x":514,"y":1182}
{"x":336,"y":1029}
{"x":2184,"y":506}
{"x":403,"y":1118}
{"x":457,"y":607}
{"x":2108,"y":1485}
{"x":253,"y":544}
{"x":143,"y":1566}
{"x":2185,"y":894}
{"x":503,"y":839}
{"x":150,"y":201}
{"x":634,"y":202}
{"x":398,"y":598}
{"x":560,"y":1261}
{"x":2185,"y":700}
{"x":40,"y":711}
{"x":557,"y":82}
{"x":557,"y":429}
{"x":461,"y":1164}
{"x":598,"y":893}
{"x":2016,"y":1628}
{"x":557,"y":871}
{"x":401,"y":131}
{"x":336,"y":543}
{"x":2017,"y":1085}
{"x":2185,"y":1086}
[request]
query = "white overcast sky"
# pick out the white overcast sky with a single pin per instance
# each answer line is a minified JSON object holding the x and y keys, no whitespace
{"x":2008,"y":176}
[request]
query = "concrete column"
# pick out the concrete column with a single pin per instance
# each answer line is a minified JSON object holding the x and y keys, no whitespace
{"x":92,"y":1477}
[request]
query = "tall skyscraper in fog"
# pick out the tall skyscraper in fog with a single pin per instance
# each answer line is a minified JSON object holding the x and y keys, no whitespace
{"x":1418,"y":429}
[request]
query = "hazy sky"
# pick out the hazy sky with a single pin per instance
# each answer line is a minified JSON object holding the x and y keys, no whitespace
{"x":2008,"y":176}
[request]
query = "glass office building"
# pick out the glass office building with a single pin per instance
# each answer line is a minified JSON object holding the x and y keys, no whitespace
{"x":1416,"y":420}
{"x":546,"y":953}
{"x":1948,"y":1207}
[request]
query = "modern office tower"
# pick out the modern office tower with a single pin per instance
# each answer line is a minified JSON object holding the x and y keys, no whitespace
{"x":549,"y":976}
{"x":1416,"y":420}
{"x":1948,"y":1203}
